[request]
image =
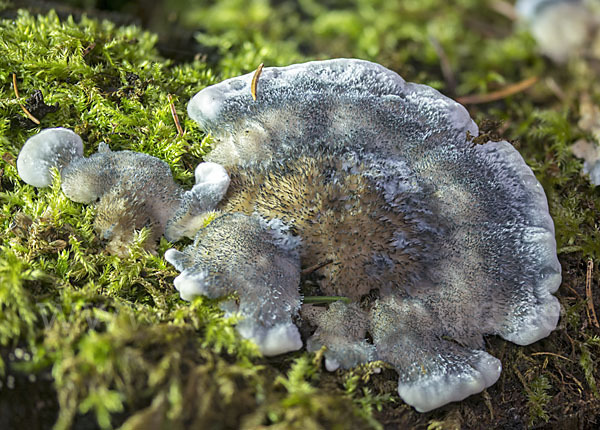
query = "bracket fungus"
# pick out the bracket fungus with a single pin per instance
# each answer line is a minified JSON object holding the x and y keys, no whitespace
{"x":131,"y":190}
{"x":436,"y":241}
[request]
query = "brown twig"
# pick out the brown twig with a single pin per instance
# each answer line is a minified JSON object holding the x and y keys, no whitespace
{"x":29,"y":115}
{"x":316,"y":267}
{"x":254,"y":84}
{"x":15,"y":86}
{"x":500,"y":94}
{"x":175,"y":117}
{"x":591,"y":312}
{"x":552,"y":354}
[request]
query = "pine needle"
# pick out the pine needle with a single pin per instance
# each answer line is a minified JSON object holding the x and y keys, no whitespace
{"x":254,"y":84}
{"x":175,"y":117}
{"x":29,"y":115}
{"x":498,"y":95}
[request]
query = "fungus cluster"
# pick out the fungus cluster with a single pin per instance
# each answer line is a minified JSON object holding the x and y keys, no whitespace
{"x":131,"y":190}
{"x":343,"y":166}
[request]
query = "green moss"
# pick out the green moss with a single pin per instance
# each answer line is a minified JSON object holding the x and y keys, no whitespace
{"x":588,"y":362}
{"x":538,"y":398}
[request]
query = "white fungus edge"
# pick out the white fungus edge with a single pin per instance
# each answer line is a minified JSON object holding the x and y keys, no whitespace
{"x":191,"y":285}
{"x":275,"y":340}
{"x":537,"y":324}
{"x":550,"y":269}
{"x":52,"y":147}
{"x":435,"y":391}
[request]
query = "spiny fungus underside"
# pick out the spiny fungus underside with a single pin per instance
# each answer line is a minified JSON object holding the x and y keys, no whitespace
{"x":52,"y":268}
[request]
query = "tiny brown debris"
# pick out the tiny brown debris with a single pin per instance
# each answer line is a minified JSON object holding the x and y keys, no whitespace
{"x":254,"y":85}
{"x":36,"y":105}
{"x":56,"y":246}
{"x":88,"y":49}
{"x":21,"y":225}
{"x":591,"y":311}
{"x":29,"y":115}
{"x":8,"y":158}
